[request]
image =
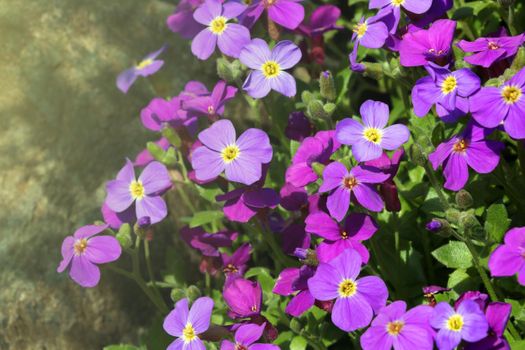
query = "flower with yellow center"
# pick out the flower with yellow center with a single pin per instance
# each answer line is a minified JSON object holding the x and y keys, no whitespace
{"x":144,"y":63}
{"x":349,"y":182}
{"x":455,"y":323}
{"x":347,"y":288}
{"x":373,"y":135}
{"x":397,"y":3}
{"x":230,"y":153}
{"x":271,"y":69}
{"x":360,"y":29}
{"x":460,"y":146}
{"x":218,"y":25}
{"x":394,"y":327}
{"x":137,"y":190}
{"x":80,"y":246}
{"x":449,"y":84}
{"x":511,"y":94}
{"x":188,"y":333}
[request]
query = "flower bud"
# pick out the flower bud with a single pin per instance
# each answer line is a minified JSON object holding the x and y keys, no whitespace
{"x":192,"y":292}
{"x":434,"y":225}
{"x":464,"y":199}
{"x":306,"y":97}
{"x":141,"y":226}
{"x":177,"y":294}
{"x":471,"y":225}
{"x":519,"y":60}
{"x":300,"y":253}
{"x":327,"y":86}
{"x":316,"y":110}
{"x":228,"y":71}
{"x":440,"y":227}
{"x":452,"y":215}
{"x":124,"y":236}
{"x":307,"y":256}
{"x":329,"y":109}
{"x":417,"y":155}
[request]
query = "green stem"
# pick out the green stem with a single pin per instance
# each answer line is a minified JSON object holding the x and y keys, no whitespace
{"x":280,"y":258}
{"x":147,"y":257}
{"x":510,"y":20}
{"x":437,"y":187}
{"x":184,"y":196}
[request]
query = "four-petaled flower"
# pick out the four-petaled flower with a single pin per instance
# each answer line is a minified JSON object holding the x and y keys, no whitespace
{"x":509,"y":258}
{"x":394,"y":6}
{"x":490,"y":50}
{"x":245,"y":337}
{"x":287,"y":13}
{"x":148,"y":66}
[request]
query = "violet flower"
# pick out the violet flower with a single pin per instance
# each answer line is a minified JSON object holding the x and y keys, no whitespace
{"x":83,"y":252}
{"x":438,"y":10}
{"x":236,"y":264}
{"x":148,"y":66}
{"x":508,"y":259}
{"x":298,"y":127}
{"x":230,"y":37}
{"x":294,"y":281}
{"x":491,"y":49}
{"x":160,"y":113}
{"x":182,"y":21}
{"x":268,"y":67}
{"x":207,"y":243}
{"x":395,"y":6}
{"x":342,"y":183}
{"x":323,"y":19}
{"x":212,"y":105}
{"x":245,"y":338}
{"x":356,"y":299}
{"x":294,"y":236}
{"x":292,"y":197}
{"x":497,"y":315}
{"x":287,"y":13}
{"x":114,"y":219}
{"x":467,"y":149}
{"x":243,"y":298}
{"x":388,"y":189}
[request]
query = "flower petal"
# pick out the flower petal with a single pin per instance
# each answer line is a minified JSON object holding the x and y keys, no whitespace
{"x":204,"y":44}
{"x":333,"y":175}
{"x":374,"y":290}
{"x":152,"y":207}
{"x":375,"y":114}
{"x":219,"y":135}
{"x":84,"y":272}
{"x":456,"y":172}
{"x":338,"y":203}
{"x":368,"y":197}
{"x":348,"y":131}
{"x":155,"y":178}
{"x":176,"y":320}
{"x":255,"y":143}
{"x":200,"y":314}
{"x":351,"y":313}
{"x":284,"y":84}
{"x":288,"y":14}
{"x":233,"y":39}
{"x":207,"y":163}
{"x":254,"y":54}
{"x":256,"y":85}
{"x":102,"y":249}
{"x":244,"y":170}
{"x":394,"y":136}
{"x":286,"y":53}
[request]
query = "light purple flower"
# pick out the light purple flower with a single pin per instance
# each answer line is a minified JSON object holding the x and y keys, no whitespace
{"x":83,"y":251}
{"x":115,"y":220}
{"x":294,"y":281}
{"x":467,"y":149}
{"x":509,"y":258}
{"x":493,"y":106}
{"x":245,"y":338}
{"x":394,"y":327}
{"x":428,"y":45}
{"x":243,"y":297}
{"x":369,"y":140}
{"x":268,"y":67}
{"x":448,"y":90}
{"x":342,"y":183}
{"x":356,"y":299}
{"x":467,"y":322}
{"x":160,"y":113}
{"x":148,"y":66}
{"x":230,"y":37}
{"x":413,"y":6}
{"x":323,"y":19}
{"x":497,"y":315}
{"x":241,"y":159}
{"x":211,"y":105}
{"x":491,"y":49}
{"x":438,"y":10}
{"x":182,"y":21}
{"x":357,"y":227}
{"x":287,"y":13}
{"x":236,"y":264}
{"x":186,"y":324}
{"x":143,"y":192}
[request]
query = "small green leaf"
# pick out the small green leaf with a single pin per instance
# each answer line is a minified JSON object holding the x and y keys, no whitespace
{"x":298,"y":343}
{"x":454,"y":255}
{"x":497,"y":221}
{"x":205,"y":217}
{"x":294,"y":145}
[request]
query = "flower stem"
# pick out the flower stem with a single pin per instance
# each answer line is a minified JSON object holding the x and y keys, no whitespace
{"x":437,"y":187}
{"x":150,"y":272}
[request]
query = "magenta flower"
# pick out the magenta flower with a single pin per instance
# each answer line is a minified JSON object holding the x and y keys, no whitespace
{"x":356,"y":228}
{"x":148,"y":66}
{"x":269,"y":67}
{"x":287,"y":13}
{"x":160,"y":113}
{"x":490,"y":50}
{"x":497,"y":315}
{"x":83,"y":252}
{"x":342,"y":183}
{"x":438,"y":10}
{"x":467,"y":149}
{"x":245,"y":338}
{"x":186,"y":324}
{"x":294,"y":281}
{"x":388,"y":189}
{"x":449,"y":91}
{"x":395,"y":6}
{"x":230,"y":37}
{"x":369,"y":140}
{"x":509,"y":258}
{"x":211,"y":105}
{"x":356,"y":299}
{"x":394,"y":327}
{"x":182,"y":21}
{"x":243,"y":297}
{"x":240,"y":159}
{"x":114,"y":219}
{"x":236,"y":264}
{"x":143,"y":192}
{"x":428,"y":45}
{"x":323,"y":19}
{"x":467,"y":322}
{"x":493,"y":106}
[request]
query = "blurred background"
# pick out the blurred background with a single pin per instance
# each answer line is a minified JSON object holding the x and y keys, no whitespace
{"x":66,"y":130}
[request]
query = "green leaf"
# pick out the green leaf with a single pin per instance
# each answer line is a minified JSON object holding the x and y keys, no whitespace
{"x":205,"y":217}
{"x":294,"y":145}
{"x":497,"y":221}
{"x":454,"y":255}
{"x":298,"y":343}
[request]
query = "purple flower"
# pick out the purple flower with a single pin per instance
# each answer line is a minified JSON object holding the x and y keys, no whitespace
{"x":497,"y":315}
{"x":83,"y":252}
{"x":370,"y":32}
{"x":148,"y":66}
{"x":292,"y":197}
{"x":467,"y":322}
{"x":207,"y":243}
{"x":413,"y":6}
{"x":240,"y":159}
{"x":341,"y":183}
{"x":294,"y":236}
{"x":186,"y":324}
{"x":114,"y":219}
{"x":369,"y":140}
{"x":395,"y":327}
{"x":323,"y":19}
{"x":298,"y":127}
{"x":388,"y":189}
{"x":356,"y":300}
{"x":438,"y":9}
{"x":509,"y":258}
{"x":433,"y":225}
{"x":287,"y":13}
{"x":230,"y":37}
{"x":160,"y":113}
{"x":490,"y":50}
{"x":356,"y":228}
{"x":474,"y":295}
{"x":449,"y":91}
{"x":269,"y":67}
{"x":144,"y":192}
{"x":468,"y":149}
{"x":235,"y":264}
{"x":492,"y":106}
{"x":428,"y":45}
{"x":211,"y":105}
{"x":243,"y":297}
{"x":245,"y":337}
{"x":292,"y":280}
{"x":182,"y":21}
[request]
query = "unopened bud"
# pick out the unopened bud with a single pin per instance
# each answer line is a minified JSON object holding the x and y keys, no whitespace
{"x":440,"y":227}
{"x":329,"y":109}
{"x":434,"y":225}
{"x":327,"y":86}
{"x":177,"y":294}
{"x":307,"y":256}
{"x":141,"y":226}
{"x":471,"y":225}
{"x":124,"y":236}
{"x":228,"y":71}
{"x":306,"y":97}
{"x":192,"y":292}
{"x":316,"y":110}
{"x":519,"y":60}
{"x":452,"y":215}
{"x":416,"y":155}
{"x":464,"y":199}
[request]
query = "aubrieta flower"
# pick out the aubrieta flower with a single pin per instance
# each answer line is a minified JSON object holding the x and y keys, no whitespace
{"x":83,"y":251}
{"x":369,"y":140}
{"x":395,"y":327}
{"x":148,"y":66}
{"x":323,"y":19}
{"x":356,"y":299}
{"x":186,"y":324}
{"x":448,"y":91}
{"x":299,"y":127}
{"x":114,"y":219}
{"x":182,"y":21}
{"x":438,"y":10}
{"x":342,"y":183}
{"x":243,"y":297}
{"x":240,"y":159}
{"x":268,"y":67}
{"x":294,"y":236}
{"x":491,"y":49}
{"x":356,"y":228}
{"x":245,"y":338}
{"x":292,"y":197}
{"x":207,"y":243}
{"x":467,"y":322}
{"x":395,"y":6}
{"x":287,"y":13}
{"x":212,"y":105}
{"x":497,"y":315}
{"x":160,"y":113}
{"x":388,"y":189}
{"x":467,"y":149}
{"x":294,"y":281}
{"x":236,"y":264}
{"x":370,"y":32}
{"x":230,"y":37}
{"x":509,"y":259}
{"x":493,"y":106}
{"x":428,"y":45}
{"x":143,"y":192}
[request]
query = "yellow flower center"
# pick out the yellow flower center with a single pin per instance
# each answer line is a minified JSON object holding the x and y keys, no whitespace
{"x":511,"y":94}
{"x":254,"y":308}
{"x":460,"y":146}
{"x":347,"y":288}
{"x":395,"y":327}
{"x":188,"y":333}
{"x":455,"y":323}
{"x":230,"y":268}
{"x":230,"y":153}
{"x":360,"y":29}
{"x":493,"y":46}
{"x":271,"y":69}
{"x":268,"y":3}
{"x":137,"y":190}
{"x":373,"y":135}
{"x":218,"y":25}
{"x":398,"y":3}
{"x":349,"y":182}
{"x":144,"y":63}
{"x":211,"y":110}
{"x":449,"y":84}
{"x":344,"y":235}
{"x":80,"y":246}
